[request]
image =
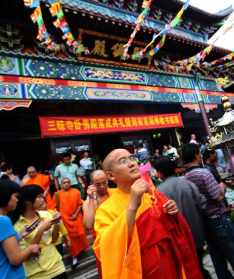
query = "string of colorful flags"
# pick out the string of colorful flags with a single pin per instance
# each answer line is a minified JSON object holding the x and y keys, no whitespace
{"x":168,"y":27}
{"x":37,"y":17}
{"x":77,"y":47}
{"x":61,"y":23}
{"x":140,"y":20}
{"x":188,"y":63}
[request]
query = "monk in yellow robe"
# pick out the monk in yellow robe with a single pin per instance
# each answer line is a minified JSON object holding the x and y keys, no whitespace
{"x":69,"y":204}
{"x":135,"y":236}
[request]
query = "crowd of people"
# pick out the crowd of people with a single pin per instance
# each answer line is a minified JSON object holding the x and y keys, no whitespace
{"x":149,"y":216}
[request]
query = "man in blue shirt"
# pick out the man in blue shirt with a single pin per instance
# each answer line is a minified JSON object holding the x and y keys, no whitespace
{"x":67,"y":169}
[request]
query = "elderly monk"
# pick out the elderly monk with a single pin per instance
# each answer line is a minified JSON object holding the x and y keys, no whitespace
{"x":35,"y":178}
{"x":97,"y":193}
{"x":69,"y":204}
{"x":136,"y":237}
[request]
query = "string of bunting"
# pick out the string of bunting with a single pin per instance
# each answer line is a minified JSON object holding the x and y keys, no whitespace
{"x":140,"y":20}
{"x":61,"y":23}
{"x":188,"y":63}
{"x":168,"y":27}
{"x":42,"y":35}
{"x":220,"y":61}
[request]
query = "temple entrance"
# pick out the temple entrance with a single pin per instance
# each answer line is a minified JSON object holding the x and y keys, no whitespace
{"x":23,"y":153}
{"x":103,"y":144}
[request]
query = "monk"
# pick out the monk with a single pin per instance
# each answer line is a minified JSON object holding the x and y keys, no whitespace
{"x":69,"y":204}
{"x":97,"y":193}
{"x":35,"y":178}
{"x":135,"y":236}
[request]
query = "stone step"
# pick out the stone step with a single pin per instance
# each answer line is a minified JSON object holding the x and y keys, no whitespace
{"x":86,"y":269}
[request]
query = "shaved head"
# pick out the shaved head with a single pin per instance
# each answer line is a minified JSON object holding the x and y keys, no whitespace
{"x":31,"y":168}
{"x":97,"y":173}
{"x":110,"y":158}
{"x":121,"y":168}
{"x":100,"y":181}
{"x":31,"y":171}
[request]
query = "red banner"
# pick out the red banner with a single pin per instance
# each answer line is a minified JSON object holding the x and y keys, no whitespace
{"x":70,"y":126}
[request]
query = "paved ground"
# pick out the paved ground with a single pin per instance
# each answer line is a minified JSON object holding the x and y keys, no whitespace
{"x":92,"y":273}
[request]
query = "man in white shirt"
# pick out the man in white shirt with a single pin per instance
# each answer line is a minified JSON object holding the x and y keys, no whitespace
{"x":87,"y":164}
{"x":193,"y":139}
{"x":172,"y":153}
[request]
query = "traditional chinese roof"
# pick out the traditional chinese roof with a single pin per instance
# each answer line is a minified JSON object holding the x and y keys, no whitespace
{"x":18,"y":33}
{"x":197,"y":25}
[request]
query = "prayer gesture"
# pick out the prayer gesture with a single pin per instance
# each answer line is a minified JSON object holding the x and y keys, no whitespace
{"x":138,"y":188}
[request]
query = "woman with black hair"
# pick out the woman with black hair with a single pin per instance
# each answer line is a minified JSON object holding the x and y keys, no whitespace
{"x":11,"y":256}
{"x":45,"y":232}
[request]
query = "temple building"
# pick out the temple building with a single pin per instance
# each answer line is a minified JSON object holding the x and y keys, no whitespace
{"x":53,"y":98}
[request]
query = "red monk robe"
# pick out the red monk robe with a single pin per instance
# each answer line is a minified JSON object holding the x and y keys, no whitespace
{"x":69,"y":201}
{"x":161,"y":245}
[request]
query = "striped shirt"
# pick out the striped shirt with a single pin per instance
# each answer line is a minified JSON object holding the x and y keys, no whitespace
{"x":209,"y":187}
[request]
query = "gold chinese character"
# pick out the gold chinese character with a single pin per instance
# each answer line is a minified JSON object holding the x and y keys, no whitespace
{"x":115,"y":123}
{"x":156,"y":120}
{"x":127,"y":122}
{"x":85,"y":124}
{"x":161,"y":120}
{"x":60,"y":125}
{"x":108,"y":123}
{"x":117,"y":50}
{"x":69,"y":125}
{"x":93,"y":124}
{"x":101,"y":123}
{"x":167,"y":120}
{"x":140,"y":121}
{"x":121,"y":122}
{"x":77,"y":125}
{"x":176,"y":119}
{"x":100,"y":48}
{"x":146,"y":121}
{"x":134,"y":122}
{"x":51,"y":125}
{"x":151,"y":121}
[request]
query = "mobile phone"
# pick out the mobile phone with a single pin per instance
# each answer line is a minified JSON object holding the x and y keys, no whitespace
{"x":32,"y":226}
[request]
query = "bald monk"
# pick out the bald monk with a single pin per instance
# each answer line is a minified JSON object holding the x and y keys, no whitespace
{"x":35,"y":178}
{"x":97,"y":193}
{"x":69,"y":204}
{"x":135,"y":237}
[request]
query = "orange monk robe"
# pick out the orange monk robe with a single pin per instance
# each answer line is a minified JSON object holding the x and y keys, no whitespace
{"x":69,"y":201}
{"x":40,"y":179}
{"x":50,"y":201}
{"x":161,"y":245}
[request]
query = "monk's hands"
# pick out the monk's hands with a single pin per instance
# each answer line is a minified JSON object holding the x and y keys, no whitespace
{"x":92,"y":192}
{"x":170,"y":207}
{"x":138,"y":188}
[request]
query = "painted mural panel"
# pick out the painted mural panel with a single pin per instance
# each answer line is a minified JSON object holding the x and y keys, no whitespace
{"x":8,"y":65}
{"x":48,"y":92}
{"x":115,"y":94}
{"x":10,"y":91}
